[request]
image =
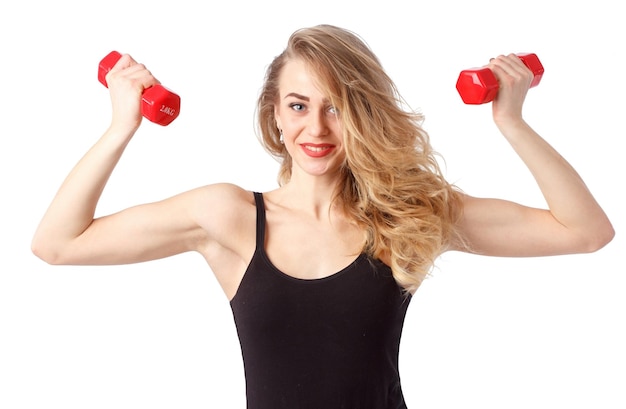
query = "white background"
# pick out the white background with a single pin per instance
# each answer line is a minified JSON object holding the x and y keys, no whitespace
{"x":481,"y":332}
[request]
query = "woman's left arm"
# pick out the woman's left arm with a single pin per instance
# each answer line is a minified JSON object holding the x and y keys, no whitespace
{"x":573,"y":223}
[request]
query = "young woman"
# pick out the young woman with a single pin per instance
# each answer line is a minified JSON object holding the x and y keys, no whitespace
{"x":320,"y":271}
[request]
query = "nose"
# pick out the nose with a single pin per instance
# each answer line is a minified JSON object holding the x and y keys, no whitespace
{"x":318,"y":125}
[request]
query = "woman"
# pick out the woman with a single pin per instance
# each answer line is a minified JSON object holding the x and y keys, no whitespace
{"x":320,"y":271}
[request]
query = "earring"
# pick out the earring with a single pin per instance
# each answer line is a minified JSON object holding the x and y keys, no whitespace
{"x":282,"y":138}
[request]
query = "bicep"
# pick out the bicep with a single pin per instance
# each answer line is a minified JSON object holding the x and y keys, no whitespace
{"x":140,"y":233}
{"x":498,"y":227}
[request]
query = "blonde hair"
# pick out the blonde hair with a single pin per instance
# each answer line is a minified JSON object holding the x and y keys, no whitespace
{"x":392,"y":184}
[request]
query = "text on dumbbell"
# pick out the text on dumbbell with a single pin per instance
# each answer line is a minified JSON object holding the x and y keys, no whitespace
{"x":167,"y":110}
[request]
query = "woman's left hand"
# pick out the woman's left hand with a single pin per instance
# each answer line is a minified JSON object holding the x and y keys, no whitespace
{"x":514,"y":79}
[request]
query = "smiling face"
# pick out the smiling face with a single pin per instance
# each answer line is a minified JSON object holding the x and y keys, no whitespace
{"x":310,"y":125}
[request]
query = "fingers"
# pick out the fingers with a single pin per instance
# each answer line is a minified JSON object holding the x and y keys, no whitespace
{"x":133,"y":73}
{"x":509,"y":70}
{"x":514,"y":79}
{"x":127,"y":80}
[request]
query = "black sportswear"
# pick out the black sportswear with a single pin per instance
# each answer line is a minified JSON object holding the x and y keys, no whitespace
{"x":326,"y":343}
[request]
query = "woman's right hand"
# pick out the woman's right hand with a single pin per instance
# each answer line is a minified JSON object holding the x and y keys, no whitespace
{"x":127,"y":81}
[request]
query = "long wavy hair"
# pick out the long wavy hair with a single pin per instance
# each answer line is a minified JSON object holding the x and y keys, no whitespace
{"x":392,"y":185}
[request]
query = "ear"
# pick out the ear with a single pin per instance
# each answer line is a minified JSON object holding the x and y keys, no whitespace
{"x":277,"y":118}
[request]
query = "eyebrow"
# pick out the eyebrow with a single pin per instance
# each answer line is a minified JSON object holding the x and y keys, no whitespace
{"x":302,"y":97}
{"x":293,"y":94}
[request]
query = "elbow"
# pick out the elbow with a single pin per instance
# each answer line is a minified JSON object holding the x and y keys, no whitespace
{"x":41,"y":249}
{"x":41,"y":253}
{"x":608,"y":236}
{"x":601,"y":236}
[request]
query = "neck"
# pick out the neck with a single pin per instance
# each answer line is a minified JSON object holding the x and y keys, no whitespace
{"x":310,"y":194}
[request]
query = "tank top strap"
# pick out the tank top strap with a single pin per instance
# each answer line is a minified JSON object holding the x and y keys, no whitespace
{"x":260,"y":220}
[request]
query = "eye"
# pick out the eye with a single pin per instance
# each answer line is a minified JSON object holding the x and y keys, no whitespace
{"x":296,"y":107}
{"x":333,"y":110}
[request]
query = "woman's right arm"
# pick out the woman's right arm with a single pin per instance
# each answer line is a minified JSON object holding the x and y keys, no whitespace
{"x":68,"y":232}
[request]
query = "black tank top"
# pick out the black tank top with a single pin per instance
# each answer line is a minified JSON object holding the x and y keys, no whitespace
{"x":326,"y":343}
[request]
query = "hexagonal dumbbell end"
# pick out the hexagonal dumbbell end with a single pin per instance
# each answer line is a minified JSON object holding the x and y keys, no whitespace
{"x":479,"y":85}
{"x":105,"y":66}
{"x":532,"y":62}
{"x":158,"y":104}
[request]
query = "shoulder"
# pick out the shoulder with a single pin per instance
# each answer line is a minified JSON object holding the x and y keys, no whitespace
{"x":226,"y":215}
{"x":222,"y":202}
{"x":227,"y":192}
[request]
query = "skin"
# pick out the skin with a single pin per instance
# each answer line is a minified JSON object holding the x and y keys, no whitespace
{"x":301,"y":212}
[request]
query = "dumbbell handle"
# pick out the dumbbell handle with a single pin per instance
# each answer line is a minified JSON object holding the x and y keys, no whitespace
{"x":479,"y":85}
{"x":158,"y":104}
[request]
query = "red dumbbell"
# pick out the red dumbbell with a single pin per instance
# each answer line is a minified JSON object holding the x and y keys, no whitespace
{"x":158,"y":104}
{"x":479,"y":85}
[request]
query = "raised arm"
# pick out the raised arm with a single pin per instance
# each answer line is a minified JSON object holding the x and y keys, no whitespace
{"x":573,"y":223}
{"x":68,"y":232}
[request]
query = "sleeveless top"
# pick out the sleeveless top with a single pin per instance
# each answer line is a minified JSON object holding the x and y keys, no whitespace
{"x":326,"y":343}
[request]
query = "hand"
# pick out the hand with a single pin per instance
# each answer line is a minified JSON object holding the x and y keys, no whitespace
{"x":514,"y":80}
{"x":127,"y":81}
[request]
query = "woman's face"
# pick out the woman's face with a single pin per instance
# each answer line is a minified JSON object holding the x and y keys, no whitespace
{"x":310,"y":124}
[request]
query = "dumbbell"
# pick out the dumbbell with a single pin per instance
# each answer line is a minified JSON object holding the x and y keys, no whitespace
{"x":479,"y":85}
{"x":158,"y":104}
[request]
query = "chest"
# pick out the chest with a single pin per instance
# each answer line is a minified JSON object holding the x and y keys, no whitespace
{"x":311,"y":250}
{"x":358,"y":305}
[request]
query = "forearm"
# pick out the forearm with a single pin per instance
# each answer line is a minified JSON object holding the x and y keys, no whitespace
{"x":567,"y":196}
{"x":73,"y":207}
